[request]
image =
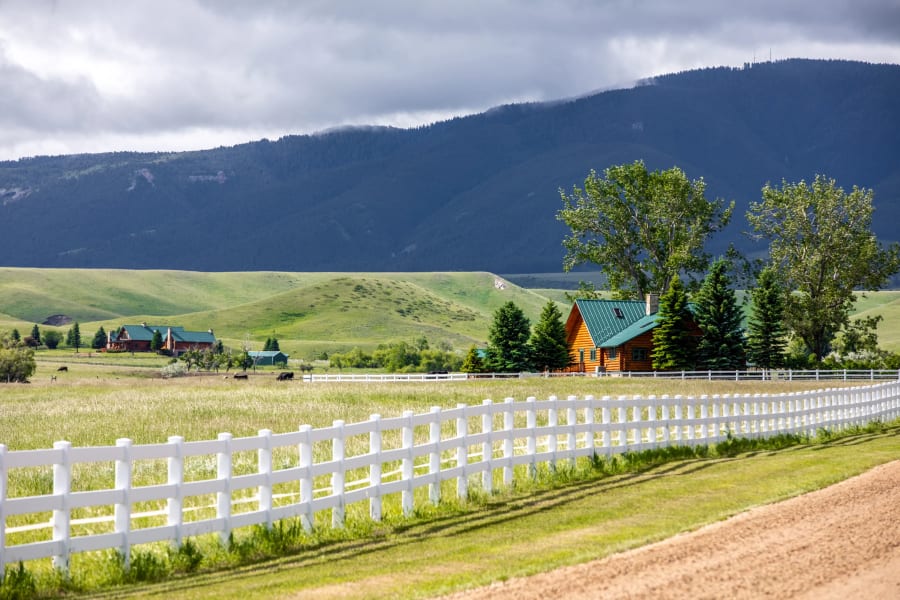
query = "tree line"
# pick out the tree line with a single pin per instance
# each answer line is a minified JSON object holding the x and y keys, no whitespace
{"x":646,"y":230}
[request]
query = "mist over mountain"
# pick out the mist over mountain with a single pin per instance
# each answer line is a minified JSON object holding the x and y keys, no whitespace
{"x":473,"y":193}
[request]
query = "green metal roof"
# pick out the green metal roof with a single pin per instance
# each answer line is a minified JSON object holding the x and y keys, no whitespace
{"x":145,"y":333}
{"x":632,"y":331}
{"x":608,"y":321}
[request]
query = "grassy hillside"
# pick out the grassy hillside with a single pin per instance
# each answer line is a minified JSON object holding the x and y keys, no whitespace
{"x":308,"y":312}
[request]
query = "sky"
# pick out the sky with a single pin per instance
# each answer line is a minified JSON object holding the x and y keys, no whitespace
{"x":165,"y":75}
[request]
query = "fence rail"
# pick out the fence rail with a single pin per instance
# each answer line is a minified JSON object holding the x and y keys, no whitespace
{"x":397,"y":456}
{"x":754,"y":375}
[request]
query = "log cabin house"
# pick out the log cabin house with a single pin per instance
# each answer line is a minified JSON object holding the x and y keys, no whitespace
{"x":137,"y":338}
{"x":611,"y":335}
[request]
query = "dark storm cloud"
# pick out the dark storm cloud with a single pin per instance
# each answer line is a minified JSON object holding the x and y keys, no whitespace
{"x":78,"y":75}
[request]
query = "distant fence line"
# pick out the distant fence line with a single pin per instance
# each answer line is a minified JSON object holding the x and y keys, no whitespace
{"x":398,"y":455}
{"x":754,"y":375}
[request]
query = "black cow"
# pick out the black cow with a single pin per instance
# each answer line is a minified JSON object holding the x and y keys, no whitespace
{"x":63,"y":368}
{"x":240,"y":376}
{"x":285,"y":376}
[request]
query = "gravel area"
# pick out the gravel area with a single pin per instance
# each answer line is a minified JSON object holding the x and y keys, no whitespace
{"x":837,"y":543}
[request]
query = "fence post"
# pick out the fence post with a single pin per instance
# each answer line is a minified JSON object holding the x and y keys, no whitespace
{"x":552,"y":424}
{"x":264,"y":466}
{"x":487,"y":447}
{"x":175,"y":468}
{"x":651,"y":420}
{"x":337,"y":475}
{"x":531,"y":440}
{"x":122,"y":510}
{"x":4,"y":481}
{"x":509,"y":416}
{"x":62,"y":486}
{"x":623,"y":423}
{"x":375,"y":468}
{"x":571,"y":420}
{"x":434,"y":458}
{"x":679,"y":411}
{"x":664,"y":415}
{"x":589,"y":438}
{"x":704,"y":416}
{"x":606,"y":420}
{"x":304,"y":451}
{"x":462,"y":453}
{"x":223,"y":474}
{"x":407,"y":471}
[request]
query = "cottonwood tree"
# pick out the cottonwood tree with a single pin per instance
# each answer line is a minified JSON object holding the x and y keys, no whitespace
{"x":719,"y":317}
{"x":549,"y":346}
{"x":822,"y":246}
{"x":673,"y":344}
{"x":766,"y":333}
{"x":17,"y":362}
{"x":642,"y":228}
{"x":508,"y":350}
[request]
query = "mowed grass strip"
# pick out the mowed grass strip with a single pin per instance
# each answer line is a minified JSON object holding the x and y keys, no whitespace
{"x":540,"y":530}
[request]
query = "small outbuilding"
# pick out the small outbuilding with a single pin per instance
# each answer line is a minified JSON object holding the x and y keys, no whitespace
{"x":267,"y":358}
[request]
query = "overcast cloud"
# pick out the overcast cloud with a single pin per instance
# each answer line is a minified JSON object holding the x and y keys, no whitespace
{"x":100,"y":75}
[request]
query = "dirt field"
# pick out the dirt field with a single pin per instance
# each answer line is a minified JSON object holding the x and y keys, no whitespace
{"x":837,"y":543}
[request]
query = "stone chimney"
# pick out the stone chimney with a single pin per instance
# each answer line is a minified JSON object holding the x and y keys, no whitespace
{"x":652,"y":304}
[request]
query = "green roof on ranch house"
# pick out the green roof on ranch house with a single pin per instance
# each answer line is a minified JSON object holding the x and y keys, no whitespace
{"x":611,"y":323}
{"x":144,"y":332}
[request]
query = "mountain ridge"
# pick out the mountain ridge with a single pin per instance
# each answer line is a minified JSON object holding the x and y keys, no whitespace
{"x":477,"y":192}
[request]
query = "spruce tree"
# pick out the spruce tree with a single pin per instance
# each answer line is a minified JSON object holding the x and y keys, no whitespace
{"x":672,"y":343}
{"x":766,"y":330}
{"x":549,"y":346}
{"x":719,"y":318}
{"x":99,"y":340}
{"x":73,"y":337}
{"x":156,"y":342}
{"x":36,"y":335}
{"x":508,"y":350}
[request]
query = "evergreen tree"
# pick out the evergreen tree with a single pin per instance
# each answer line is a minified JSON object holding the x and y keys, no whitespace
{"x":508,"y":350}
{"x":268,"y":345}
{"x":672,"y":343}
{"x":719,"y":318}
{"x":766,"y":330}
{"x":36,"y":335}
{"x":273,"y":345}
{"x":549,"y":346}
{"x":73,"y":336}
{"x":472,"y":362}
{"x":16,"y":336}
{"x":99,"y":340}
{"x":156,"y":342}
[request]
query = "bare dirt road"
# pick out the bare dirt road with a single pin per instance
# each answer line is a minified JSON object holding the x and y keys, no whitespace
{"x":837,"y":543}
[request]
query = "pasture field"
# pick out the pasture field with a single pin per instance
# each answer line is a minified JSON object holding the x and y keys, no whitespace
{"x":519,"y":532}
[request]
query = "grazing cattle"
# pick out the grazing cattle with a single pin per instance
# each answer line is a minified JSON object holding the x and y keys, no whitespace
{"x":63,"y":368}
{"x":240,"y":376}
{"x":285,"y":376}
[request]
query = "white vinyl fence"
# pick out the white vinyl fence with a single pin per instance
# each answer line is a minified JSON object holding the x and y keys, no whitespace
{"x":305,"y":472}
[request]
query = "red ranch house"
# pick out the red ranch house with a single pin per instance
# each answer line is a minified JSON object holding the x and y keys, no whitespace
{"x":137,"y":338}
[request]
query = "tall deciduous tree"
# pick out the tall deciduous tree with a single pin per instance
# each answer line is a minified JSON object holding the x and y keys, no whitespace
{"x":508,"y":350}
{"x":822,"y":245}
{"x":673,"y":345}
{"x":719,"y":317}
{"x":549,"y":347}
{"x":766,"y":333}
{"x":642,"y":228}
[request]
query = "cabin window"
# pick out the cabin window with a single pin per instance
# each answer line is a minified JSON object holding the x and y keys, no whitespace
{"x":581,"y":355}
{"x":618,"y":312}
{"x":593,"y":354}
{"x":613,"y":354}
{"x":640,"y":354}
